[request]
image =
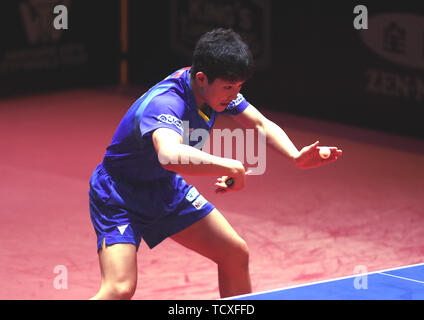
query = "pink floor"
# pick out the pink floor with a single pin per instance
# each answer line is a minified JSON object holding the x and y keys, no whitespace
{"x":301,"y":225}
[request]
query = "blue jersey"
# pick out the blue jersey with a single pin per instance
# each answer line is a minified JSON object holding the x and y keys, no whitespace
{"x":131,"y":155}
{"x":132,"y":197}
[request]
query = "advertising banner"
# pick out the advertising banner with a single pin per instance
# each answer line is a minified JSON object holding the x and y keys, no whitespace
{"x":49,"y":44}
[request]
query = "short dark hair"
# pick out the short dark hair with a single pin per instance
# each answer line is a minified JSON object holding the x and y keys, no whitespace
{"x":221,"y":53}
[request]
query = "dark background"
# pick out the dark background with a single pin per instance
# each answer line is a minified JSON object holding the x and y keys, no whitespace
{"x":311,"y":61}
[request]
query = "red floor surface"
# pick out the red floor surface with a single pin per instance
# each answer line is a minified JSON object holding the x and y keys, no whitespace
{"x":301,"y":225}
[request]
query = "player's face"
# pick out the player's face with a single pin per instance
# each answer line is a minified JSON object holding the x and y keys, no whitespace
{"x":220,"y":93}
{"x":217,"y":94}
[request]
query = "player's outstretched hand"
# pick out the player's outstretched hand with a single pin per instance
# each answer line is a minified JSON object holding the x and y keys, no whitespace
{"x":313,"y":156}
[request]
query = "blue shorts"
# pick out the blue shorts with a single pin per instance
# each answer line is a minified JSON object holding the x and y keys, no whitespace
{"x":126,"y":213}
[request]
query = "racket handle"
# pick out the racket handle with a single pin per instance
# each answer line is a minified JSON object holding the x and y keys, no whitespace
{"x":229,"y":182}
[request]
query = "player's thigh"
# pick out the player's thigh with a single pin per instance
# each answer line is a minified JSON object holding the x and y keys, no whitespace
{"x":118,"y":263}
{"x":214,"y":238}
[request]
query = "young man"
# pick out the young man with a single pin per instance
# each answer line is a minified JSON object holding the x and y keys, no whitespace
{"x":137,"y":191}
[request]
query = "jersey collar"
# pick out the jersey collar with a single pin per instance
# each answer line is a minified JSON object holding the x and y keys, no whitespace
{"x":206,"y":112}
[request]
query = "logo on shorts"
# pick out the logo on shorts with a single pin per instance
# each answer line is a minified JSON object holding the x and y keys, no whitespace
{"x":192,"y":194}
{"x":122,"y":228}
{"x":199,"y":202}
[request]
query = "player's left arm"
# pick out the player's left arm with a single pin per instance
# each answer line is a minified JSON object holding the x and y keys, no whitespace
{"x":277,"y":139}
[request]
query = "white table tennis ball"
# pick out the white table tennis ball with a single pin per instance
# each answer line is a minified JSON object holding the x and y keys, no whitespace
{"x":324,"y":152}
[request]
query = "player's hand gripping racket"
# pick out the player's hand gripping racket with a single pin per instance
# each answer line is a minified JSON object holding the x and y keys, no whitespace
{"x":229,"y":182}
{"x":224,"y":183}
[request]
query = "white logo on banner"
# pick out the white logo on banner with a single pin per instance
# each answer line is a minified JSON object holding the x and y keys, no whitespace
{"x":397,"y":37}
{"x":44,"y":19}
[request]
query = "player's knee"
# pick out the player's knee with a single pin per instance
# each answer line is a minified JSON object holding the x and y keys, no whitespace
{"x":243,"y":253}
{"x":238,"y":254}
{"x":122,"y":290}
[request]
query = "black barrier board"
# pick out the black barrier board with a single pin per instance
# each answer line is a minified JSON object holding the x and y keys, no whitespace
{"x":313,"y":59}
{"x":51,"y":44}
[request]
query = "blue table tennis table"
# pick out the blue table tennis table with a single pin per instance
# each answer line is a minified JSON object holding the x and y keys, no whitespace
{"x":403,"y":283}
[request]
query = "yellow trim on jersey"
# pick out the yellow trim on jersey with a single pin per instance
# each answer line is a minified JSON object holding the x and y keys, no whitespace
{"x":204,"y":116}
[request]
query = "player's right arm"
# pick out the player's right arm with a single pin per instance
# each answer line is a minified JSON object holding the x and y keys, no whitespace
{"x":175,"y":156}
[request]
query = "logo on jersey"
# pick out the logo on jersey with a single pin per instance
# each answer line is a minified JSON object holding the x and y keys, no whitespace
{"x":170,"y":119}
{"x":233,"y":104}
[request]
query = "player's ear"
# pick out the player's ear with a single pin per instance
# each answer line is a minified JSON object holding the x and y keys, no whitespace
{"x":201,"y":79}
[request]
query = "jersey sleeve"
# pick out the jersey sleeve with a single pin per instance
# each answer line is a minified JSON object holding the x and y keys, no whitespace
{"x":162,"y":112}
{"x":236,"y":106}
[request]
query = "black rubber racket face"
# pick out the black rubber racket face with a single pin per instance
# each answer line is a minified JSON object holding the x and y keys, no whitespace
{"x":229,"y":182}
